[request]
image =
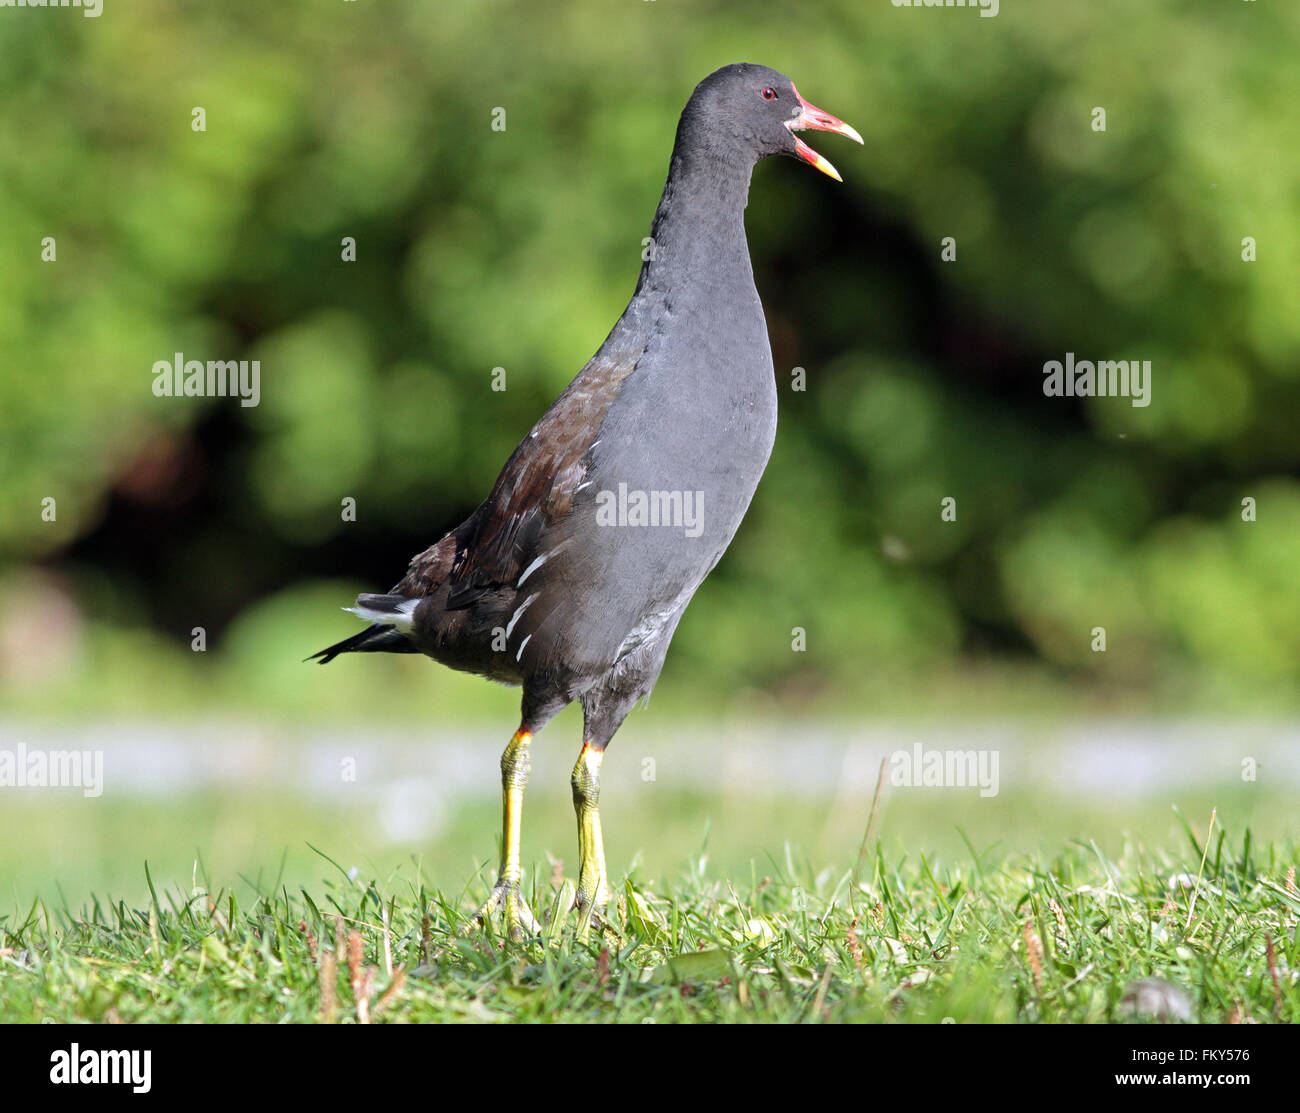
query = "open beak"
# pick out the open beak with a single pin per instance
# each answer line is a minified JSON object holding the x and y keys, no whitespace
{"x":814,"y":119}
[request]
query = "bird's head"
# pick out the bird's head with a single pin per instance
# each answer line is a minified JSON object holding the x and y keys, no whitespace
{"x":746,"y":110}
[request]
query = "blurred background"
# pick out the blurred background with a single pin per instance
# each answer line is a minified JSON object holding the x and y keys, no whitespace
{"x":478,"y":249}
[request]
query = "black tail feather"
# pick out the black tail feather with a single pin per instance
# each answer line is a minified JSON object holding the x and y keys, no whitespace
{"x":373,"y":639}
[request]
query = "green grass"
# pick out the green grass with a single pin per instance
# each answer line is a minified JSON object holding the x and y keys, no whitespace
{"x":1049,"y":936}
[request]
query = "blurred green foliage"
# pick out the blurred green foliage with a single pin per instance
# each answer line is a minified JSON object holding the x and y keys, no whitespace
{"x":479,"y":248}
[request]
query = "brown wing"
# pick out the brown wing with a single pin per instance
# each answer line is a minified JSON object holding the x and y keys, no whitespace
{"x":534,"y":490}
{"x":430,"y":569}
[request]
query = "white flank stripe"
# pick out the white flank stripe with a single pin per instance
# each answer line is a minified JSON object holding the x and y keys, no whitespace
{"x":510,"y":627}
{"x":519,"y":655}
{"x":533,"y":568}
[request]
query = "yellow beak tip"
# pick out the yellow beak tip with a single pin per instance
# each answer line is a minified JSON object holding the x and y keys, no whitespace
{"x":826,"y":168}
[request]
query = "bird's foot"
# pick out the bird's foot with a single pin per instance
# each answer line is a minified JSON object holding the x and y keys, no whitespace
{"x":520,"y":921}
{"x":591,"y":914}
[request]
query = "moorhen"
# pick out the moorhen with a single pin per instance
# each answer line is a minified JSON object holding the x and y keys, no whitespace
{"x":571,"y":578}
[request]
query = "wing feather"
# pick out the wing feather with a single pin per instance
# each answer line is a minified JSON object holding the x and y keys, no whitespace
{"x":537,"y":485}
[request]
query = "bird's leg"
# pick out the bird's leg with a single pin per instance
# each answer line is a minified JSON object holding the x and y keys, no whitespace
{"x":593,"y":884}
{"x":515,"y":766}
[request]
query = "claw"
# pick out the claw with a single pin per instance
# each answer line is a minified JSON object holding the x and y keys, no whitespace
{"x":591,"y":914}
{"x":520,"y":921}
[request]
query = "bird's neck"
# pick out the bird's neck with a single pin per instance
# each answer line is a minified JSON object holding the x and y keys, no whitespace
{"x":698,"y":234}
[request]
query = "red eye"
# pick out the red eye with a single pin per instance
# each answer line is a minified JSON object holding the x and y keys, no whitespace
{"x":769,"y":94}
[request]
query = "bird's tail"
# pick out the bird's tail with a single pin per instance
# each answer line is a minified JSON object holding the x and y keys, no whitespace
{"x":391,"y":616}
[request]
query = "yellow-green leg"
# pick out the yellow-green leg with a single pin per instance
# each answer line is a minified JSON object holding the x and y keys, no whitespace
{"x":515,"y":766}
{"x":593,"y":883}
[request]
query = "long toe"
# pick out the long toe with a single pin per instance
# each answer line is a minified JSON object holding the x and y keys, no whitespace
{"x":593,"y":915}
{"x":519,"y":919}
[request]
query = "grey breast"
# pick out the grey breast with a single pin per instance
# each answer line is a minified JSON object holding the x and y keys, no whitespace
{"x":671,"y":474}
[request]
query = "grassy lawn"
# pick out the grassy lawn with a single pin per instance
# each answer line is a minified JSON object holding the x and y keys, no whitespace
{"x":1021,"y":928}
